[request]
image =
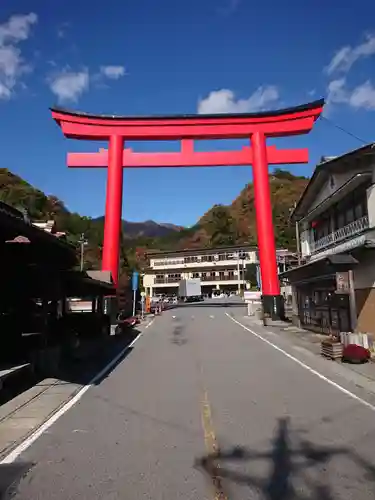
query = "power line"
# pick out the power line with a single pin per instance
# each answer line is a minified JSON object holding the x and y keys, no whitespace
{"x":363,"y":142}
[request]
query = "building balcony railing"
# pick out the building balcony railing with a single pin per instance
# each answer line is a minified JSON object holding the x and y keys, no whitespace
{"x":341,"y":234}
{"x":164,"y":281}
{"x":222,"y":277}
{"x":229,"y":277}
{"x":201,"y":259}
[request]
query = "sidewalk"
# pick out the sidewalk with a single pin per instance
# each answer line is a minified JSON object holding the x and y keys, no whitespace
{"x":310,"y":341}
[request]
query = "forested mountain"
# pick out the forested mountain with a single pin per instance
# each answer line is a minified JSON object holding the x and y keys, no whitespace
{"x":221,"y":225}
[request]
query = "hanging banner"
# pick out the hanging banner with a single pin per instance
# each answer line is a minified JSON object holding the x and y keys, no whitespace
{"x":135,"y":281}
{"x":342,"y":282}
{"x":259,"y":282}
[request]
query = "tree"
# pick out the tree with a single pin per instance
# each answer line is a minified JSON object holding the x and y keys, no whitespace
{"x":251,"y":274}
{"x":220,"y":226}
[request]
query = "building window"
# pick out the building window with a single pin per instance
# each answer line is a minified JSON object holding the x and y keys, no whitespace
{"x":349,"y":216}
{"x":359,"y":210}
{"x":322,"y":228}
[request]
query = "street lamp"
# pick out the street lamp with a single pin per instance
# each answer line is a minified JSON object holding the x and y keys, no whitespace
{"x":240,"y":256}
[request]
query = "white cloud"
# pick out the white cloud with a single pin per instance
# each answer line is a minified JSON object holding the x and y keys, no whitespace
{"x":17,"y":28}
{"x":12,"y":65}
{"x":361,"y":97}
{"x":68,"y":85}
{"x":62,"y":30}
{"x":113,"y":72}
{"x":336,"y":92}
{"x":344,"y":59}
{"x":224,"y":101}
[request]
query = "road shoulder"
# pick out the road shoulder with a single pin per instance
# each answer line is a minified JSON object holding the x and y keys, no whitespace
{"x":335,"y":372}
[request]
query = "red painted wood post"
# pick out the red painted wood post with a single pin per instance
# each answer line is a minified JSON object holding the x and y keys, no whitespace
{"x":265,"y":231}
{"x":113,"y":208}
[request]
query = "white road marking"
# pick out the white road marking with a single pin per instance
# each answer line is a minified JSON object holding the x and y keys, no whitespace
{"x":306,"y":367}
{"x":212,"y":317}
{"x":147,"y":326}
{"x":14,"y":454}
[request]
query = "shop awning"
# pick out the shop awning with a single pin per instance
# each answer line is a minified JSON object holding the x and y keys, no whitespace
{"x":86,"y":284}
{"x":319,"y":269}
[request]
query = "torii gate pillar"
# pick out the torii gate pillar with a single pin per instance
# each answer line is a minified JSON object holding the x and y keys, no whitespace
{"x":113,"y":208}
{"x":265,"y":230}
{"x":187,"y":128}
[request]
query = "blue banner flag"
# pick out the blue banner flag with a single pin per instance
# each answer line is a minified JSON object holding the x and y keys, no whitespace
{"x":135,"y":281}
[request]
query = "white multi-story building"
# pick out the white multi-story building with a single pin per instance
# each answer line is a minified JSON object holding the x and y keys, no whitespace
{"x":336,"y":221}
{"x":217,"y":268}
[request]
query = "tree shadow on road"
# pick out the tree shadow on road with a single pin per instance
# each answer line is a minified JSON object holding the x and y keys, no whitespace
{"x":295,"y":472}
{"x":10,"y":476}
{"x":95,"y":367}
{"x":178,"y":335}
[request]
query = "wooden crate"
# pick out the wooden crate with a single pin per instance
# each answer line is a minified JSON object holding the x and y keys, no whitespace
{"x":332,"y":350}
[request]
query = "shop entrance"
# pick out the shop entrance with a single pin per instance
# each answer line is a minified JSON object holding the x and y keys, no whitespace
{"x":321,"y":309}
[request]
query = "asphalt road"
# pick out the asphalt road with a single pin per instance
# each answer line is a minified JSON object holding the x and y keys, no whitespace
{"x":204,"y":409}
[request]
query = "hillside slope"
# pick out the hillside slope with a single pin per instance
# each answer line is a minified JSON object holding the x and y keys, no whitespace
{"x":221,"y":225}
{"x":236,"y":223}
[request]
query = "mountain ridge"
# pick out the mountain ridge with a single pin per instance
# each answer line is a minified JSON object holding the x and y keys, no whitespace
{"x":220,"y":226}
{"x":148,"y":228}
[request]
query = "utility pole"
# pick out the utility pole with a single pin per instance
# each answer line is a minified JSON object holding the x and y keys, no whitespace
{"x":298,"y":242}
{"x":238,"y":273}
{"x":243,"y":273}
{"x":82,"y":242}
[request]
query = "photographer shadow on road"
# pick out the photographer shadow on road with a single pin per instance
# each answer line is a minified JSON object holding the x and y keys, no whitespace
{"x":298,"y":470}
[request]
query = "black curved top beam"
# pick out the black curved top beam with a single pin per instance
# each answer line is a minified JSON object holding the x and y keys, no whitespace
{"x":278,"y":112}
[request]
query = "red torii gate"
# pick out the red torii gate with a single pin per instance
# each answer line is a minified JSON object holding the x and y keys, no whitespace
{"x":187,"y":128}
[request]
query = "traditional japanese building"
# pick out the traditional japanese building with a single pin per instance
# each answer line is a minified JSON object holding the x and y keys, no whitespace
{"x":334,"y":290}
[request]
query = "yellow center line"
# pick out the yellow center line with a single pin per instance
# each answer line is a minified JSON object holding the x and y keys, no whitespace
{"x":211,"y":445}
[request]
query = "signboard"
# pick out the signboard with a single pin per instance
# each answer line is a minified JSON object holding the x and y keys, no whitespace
{"x":252,"y":296}
{"x":342,"y":282}
{"x":135,"y":281}
{"x":148,"y":304}
{"x":259,"y":281}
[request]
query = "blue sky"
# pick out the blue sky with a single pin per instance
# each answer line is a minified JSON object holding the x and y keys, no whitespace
{"x":175,"y":56}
